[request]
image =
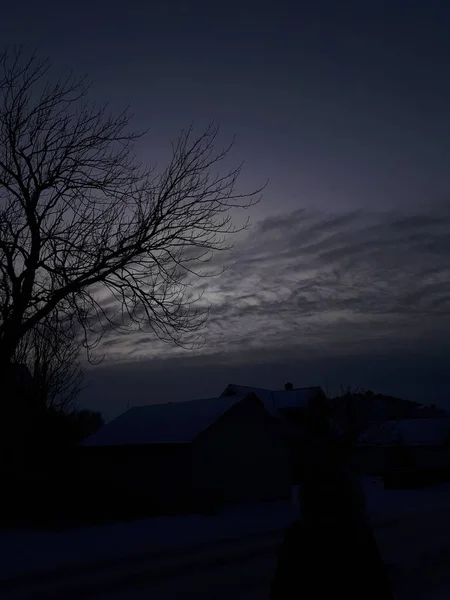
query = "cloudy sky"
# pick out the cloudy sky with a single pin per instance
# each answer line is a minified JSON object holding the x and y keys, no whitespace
{"x":344,"y":276}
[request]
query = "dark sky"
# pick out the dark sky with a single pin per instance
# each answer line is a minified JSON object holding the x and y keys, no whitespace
{"x":345,"y":106}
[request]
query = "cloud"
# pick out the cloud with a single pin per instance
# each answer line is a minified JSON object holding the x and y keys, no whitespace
{"x":309,"y":284}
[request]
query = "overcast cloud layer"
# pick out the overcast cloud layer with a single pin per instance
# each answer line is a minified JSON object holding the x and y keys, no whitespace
{"x":303,"y":283}
{"x":358,"y":299}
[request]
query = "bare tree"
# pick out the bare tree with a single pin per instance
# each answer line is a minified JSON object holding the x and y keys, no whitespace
{"x":80,"y":217}
{"x":51,"y":351}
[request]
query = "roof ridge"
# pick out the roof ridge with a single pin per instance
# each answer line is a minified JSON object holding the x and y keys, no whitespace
{"x":161,"y":423}
{"x":178,"y":402}
{"x":254,"y":387}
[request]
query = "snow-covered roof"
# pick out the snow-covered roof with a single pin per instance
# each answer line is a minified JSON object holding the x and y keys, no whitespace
{"x":169,"y":423}
{"x":412,"y":432}
{"x":264,"y":395}
{"x":274,"y":400}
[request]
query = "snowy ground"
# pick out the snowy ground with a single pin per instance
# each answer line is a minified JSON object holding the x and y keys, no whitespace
{"x":415,"y":548}
{"x":25,"y":551}
{"x":384,"y":504}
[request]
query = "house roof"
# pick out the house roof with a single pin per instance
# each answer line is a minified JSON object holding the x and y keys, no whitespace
{"x":264,"y":395}
{"x":169,"y":423}
{"x":274,"y":400}
{"x":412,"y":432}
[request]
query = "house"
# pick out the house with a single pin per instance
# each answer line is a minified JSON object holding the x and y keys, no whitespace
{"x":420,"y":443}
{"x":369,"y":408}
{"x":303,"y":417}
{"x":424,"y":411}
{"x":296,"y":405}
{"x":227,"y":449}
{"x":361,"y":410}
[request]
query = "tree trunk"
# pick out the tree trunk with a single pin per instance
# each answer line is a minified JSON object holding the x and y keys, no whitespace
{"x":9,"y":341}
{"x":15,"y":419}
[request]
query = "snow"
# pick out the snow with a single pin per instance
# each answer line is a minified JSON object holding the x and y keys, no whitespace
{"x":264,"y":395}
{"x":25,"y":551}
{"x":273,"y":400}
{"x":172,"y":422}
{"x":412,"y":432}
{"x":181,"y":422}
{"x":385,"y":504}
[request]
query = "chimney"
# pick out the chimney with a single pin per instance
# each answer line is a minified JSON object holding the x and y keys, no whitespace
{"x":288,"y":386}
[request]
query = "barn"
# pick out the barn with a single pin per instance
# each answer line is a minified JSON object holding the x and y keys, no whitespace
{"x":216,"y":451}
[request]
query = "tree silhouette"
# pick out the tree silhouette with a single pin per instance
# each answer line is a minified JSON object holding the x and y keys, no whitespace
{"x":83,"y":224}
{"x":51,"y":352}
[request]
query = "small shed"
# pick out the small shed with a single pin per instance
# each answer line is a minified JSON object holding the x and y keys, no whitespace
{"x":416,"y":443}
{"x":227,"y":450}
